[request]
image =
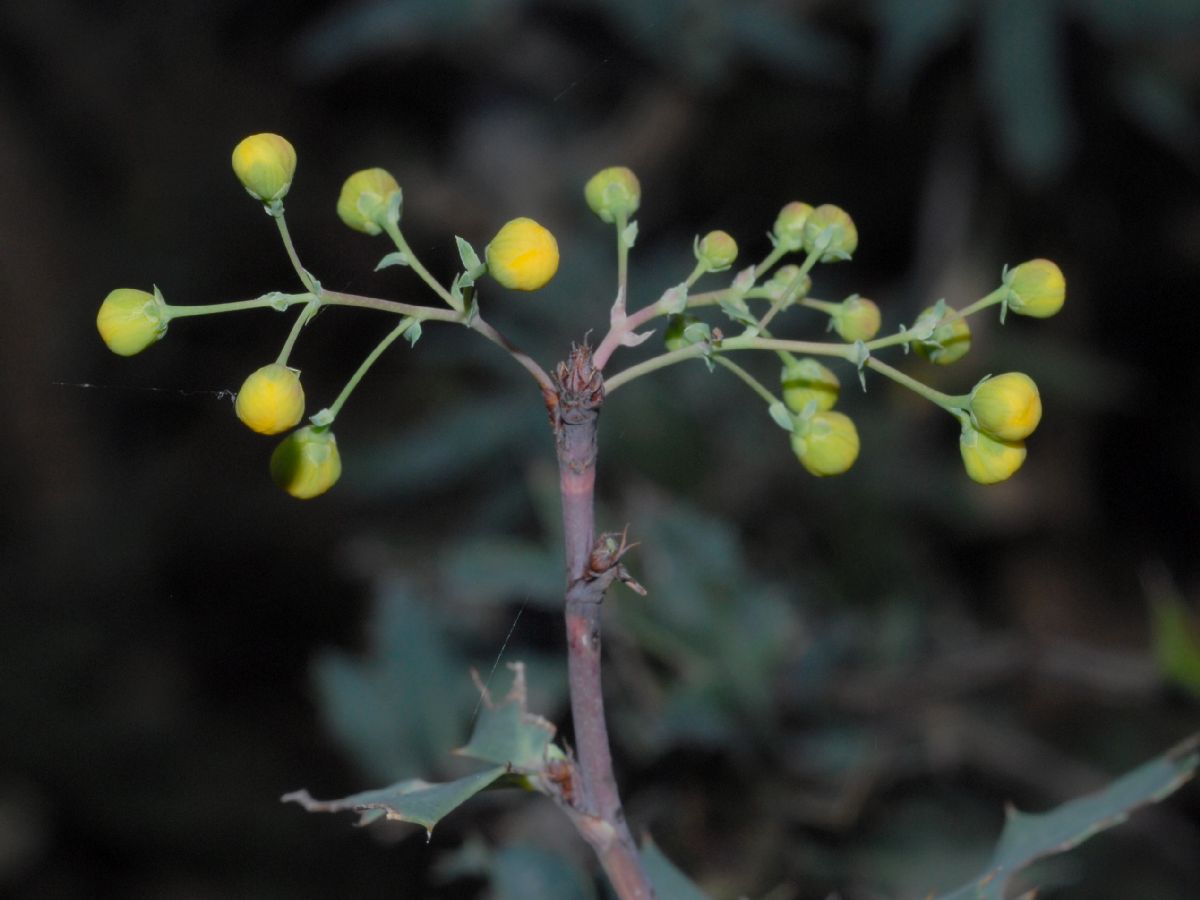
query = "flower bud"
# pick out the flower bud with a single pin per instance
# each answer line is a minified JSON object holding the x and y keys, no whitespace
{"x":949,"y":341}
{"x":989,"y":460}
{"x":830,"y":229}
{"x":306,"y":463}
{"x":857,"y":319}
{"x":265,"y":165}
{"x":523,"y":255}
{"x":1007,"y":406}
{"x":789,"y":225}
{"x":363,"y":202}
{"x":612,"y":192}
{"x":673,"y":337}
{"x":1036,"y":288}
{"x":130,"y":320}
{"x":827,"y":443}
{"x":716,"y":251}
{"x":807,"y":381}
{"x":271,"y":399}
{"x":782,"y":279}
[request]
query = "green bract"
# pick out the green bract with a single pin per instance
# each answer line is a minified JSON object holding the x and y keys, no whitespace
{"x":130,"y":320}
{"x":364,"y":199}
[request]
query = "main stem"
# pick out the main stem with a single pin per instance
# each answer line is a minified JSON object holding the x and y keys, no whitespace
{"x":594,"y":804}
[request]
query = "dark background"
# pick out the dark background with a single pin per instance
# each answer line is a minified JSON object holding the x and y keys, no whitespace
{"x":846,"y":679}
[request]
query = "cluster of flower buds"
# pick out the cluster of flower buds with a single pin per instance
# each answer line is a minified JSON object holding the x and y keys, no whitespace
{"x":996,"y":416}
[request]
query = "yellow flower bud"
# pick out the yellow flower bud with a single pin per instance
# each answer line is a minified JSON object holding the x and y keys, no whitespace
{"x":130,"y":320}
{"x":523,"y":255}
{"x":807,"y":381}
{"x":789,"y":225}
{"x":717,"y":250}
{"x":265,"y":164}
{"x":827,"y":444}
{"x":363,"y":202}
{"x":1036,"y":288}
{"x":950,"y":340}
{"x":613,"y":191}
{"x":989,"y":460}
{"x":830,"y":229}
{"x":1007,"y":406}
{"x":782,"y":279}
{"x":271,"y":399}
{"x":857,"y":319}
{"x":306,"y":463}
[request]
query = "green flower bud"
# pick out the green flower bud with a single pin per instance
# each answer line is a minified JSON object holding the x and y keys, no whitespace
{"x":789,"y":225}
{"x":830,"y":229}
{"x":827,"y":443}
{"x":612,"y":192}
{"x":1007,"y":406}
{"x":782,"y":279}
{"x":989,"y":460}
{"x":265,"y":165}
{"x":950,"y":340}
{"x":856,"y":319}
{"x":271,"y":399}
{"x":130,"y":320}
{"x":807,"y":381}
{"x":306,"y":463}
{"x":717,"y":250}
{"x":1036,"y":288}
{"x":523,"y":255}
{"x":673,"y":338}
{"x":363,"y":202}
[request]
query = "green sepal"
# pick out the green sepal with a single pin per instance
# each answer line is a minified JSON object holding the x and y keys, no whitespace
{"x":782,"y":417}
{"x":395,"y":202}
{"x":629,"y":235}
{"x":861,"y":355}
{"x":322,"y":418}
{"x":395,"y":258}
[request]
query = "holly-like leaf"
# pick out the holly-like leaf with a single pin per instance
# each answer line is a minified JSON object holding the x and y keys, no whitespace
{"x":1031,"y":836}
{"x":507,"y":733}
{"x":413,"y":800}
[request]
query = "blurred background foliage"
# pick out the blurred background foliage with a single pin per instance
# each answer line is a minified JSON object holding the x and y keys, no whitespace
{"x":834,"y":686}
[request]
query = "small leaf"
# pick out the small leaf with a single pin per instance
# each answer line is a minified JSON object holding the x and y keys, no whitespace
{"x":278,"y":301}
{"x":413,"y":334}
{"x":413,"y":800}
{"x":669,"y":883}
{"x":395,"y":202}
{"x":697,"y":333}
{"x":629,"y":235}
{"x":744,"y":280}
{"x":632,"y":339}
{"x":783,"y":418}
{"x":321,"y":417}
{"x":470,"y":259}
{"x":508,"y":734}
{"x":395,"y":258}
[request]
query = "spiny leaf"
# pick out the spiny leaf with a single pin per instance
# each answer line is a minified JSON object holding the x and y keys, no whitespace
{"x":1030,"y":836}
{"x":413,"y":800}
{"x":507,"y":733}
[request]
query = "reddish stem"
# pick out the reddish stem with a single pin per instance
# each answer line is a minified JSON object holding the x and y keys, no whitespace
{"x":595,"y":806}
